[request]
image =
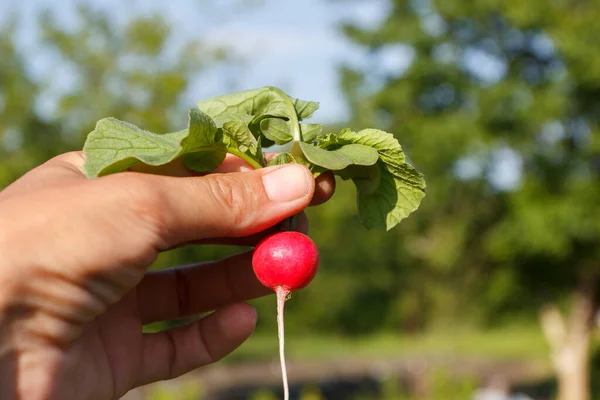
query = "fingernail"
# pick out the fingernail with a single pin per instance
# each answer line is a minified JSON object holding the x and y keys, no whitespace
{"x":286,"y":184}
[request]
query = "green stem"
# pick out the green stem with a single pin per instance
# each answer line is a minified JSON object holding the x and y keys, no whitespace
{"x":245,"y":157}
{"x":296,"y":132}
{"x":298,"y":154}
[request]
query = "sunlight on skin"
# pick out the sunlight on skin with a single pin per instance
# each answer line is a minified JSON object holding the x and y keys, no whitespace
{"x":76,"y":293}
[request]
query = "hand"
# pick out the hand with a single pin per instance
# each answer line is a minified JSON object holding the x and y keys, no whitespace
{"x":75,"y":291}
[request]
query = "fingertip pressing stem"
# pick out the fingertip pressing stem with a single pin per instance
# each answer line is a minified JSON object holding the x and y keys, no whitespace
{"x":282,"y":296}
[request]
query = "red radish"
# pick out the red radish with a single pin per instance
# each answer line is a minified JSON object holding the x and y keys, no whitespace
{"x":286,"y":259}
{"x":284,"y":262}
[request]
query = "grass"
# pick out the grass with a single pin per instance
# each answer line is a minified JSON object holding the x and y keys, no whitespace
{"x":515,"y":343}
{"x":500,"y":344}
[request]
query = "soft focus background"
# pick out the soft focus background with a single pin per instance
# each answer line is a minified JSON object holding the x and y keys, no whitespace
{"x":488,"y":291}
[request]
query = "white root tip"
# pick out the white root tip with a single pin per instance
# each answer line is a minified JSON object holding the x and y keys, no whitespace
{"x":282,"y":295}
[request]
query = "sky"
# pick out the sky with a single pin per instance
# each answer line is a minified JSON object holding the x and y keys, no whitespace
{"x":295,"y":45}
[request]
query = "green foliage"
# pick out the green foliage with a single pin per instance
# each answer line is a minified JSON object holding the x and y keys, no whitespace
{"x":113,"y":71}
{"x":118,"y":71}
{"x":476,"y":252}
{"x":489,"y":82}
{"x":389,"y":191}
{"x":268,"y":109}
{"x":269,"y":115}
{"x":263,"y":395}
{"x":237,"y":123}
{"x":115,"y":146}
{"x":440,"y":386}
{"x":25,"y":138}
{"x":179,"y":391}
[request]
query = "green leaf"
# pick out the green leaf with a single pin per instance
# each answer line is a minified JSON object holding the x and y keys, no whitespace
{"x":203,"y":148}
{"x":240,"y":141}
{"x":388,"y":188}
{"x":340,"y":158}
{"x":387,"y":194}
{"x":359,"y":154}
{"x":330,"y":139}
{"x":268,"y":104}
{"x":276,"y":130}
{"x":399,"y":193}
{"x":114,"y":146}
{"x":283,"y":158}
{"x":366,"y":178}
{"x":257,"y":154}
{"x":237,"y":134}
{"x":205,"y":161}
{"x":323,"y":158}
{"x":310,"y":132}
{"x":261,"y":101}
{"x":305,"y":109}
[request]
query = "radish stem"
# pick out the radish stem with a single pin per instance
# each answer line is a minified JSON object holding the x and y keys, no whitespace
{"x":282,"y":296}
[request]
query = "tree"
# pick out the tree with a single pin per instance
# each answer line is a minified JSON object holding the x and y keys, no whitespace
{"x":499,"y":109}
{"x":133,"y":72}
{"x":19,"y":123}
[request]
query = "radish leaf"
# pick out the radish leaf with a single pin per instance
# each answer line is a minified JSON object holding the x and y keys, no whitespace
{"x":283,"y":158}
{"x":310,"y":131}
{"x":390,"y":193}
{"x":340,"y":158}
{"x":115,"y":146}
{"x":388,"y":188}
{"x":273,"y":111}
{"x":304,"y":109}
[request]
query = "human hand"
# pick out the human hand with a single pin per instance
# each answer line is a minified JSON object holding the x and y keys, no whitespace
{"x":75,"y":291}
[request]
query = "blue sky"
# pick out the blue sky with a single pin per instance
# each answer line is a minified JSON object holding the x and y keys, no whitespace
{"x":295,"y":45}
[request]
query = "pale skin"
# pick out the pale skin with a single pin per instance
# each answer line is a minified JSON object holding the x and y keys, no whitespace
{"x":75,"y":290}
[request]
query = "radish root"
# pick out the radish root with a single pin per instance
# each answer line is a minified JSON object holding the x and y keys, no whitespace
{"x":282,"y":296}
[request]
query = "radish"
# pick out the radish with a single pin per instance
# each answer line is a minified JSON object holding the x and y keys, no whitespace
{"x":284,"y":262}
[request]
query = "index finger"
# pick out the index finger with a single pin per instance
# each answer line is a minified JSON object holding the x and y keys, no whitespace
{"x":184,"y":291}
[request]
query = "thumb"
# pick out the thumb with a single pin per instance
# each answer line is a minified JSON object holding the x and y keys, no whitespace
{"x":220,"y":205}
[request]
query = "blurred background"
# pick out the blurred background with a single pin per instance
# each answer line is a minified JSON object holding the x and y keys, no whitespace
{"x":488,"y":291}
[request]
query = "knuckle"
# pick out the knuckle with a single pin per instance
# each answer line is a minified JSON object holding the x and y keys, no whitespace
{"x":73,"y":160}
{"x":232,"y":197}
{"x":206,"y":346}
{"x":144,"y":200}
